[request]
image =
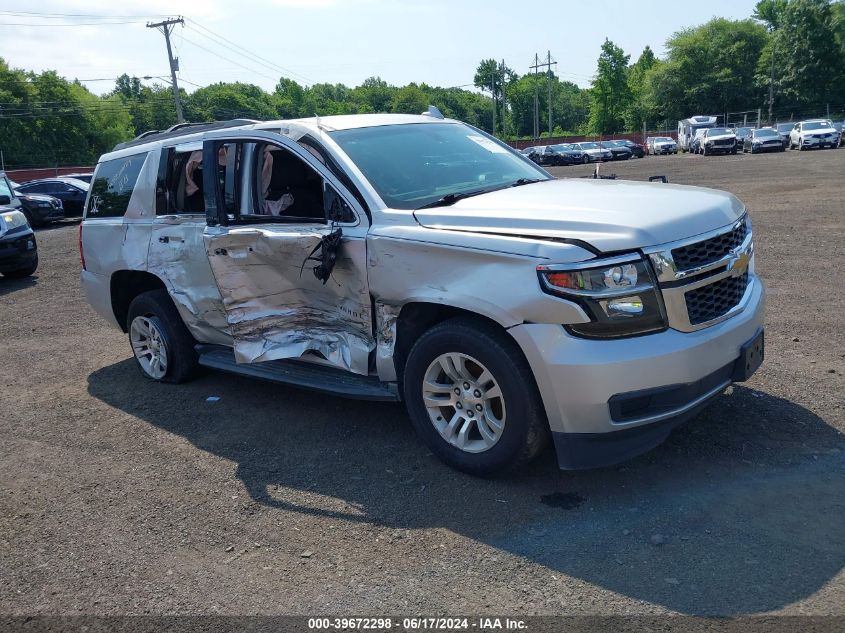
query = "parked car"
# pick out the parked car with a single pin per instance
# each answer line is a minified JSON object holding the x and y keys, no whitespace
{"x":695,"y":143}
{"x":38,"y":209}
{"x":662,"y":145}
{"x":838,"y":127}
{"x":84,"y":177}
{"x":717,"y":140}
{"x":547,"y":155}
{"x":784,"y":129}
{"x":741,"y":134}
{"x":592,"y":152}
{"x":637,"y":150}
{"x":575,"y":154}
{"x":525,"y":307}
{"x":18,"y":248}
{"x":815,"y":133}
{"x":763,"y":140}
{"x":71,"y":192}
{"x":618,"y":152}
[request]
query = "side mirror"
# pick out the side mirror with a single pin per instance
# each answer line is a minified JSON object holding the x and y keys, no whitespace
{"x":5,"y":200}
{"x":335,"y":207}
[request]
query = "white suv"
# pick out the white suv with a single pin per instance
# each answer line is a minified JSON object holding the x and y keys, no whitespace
{"x":416,"y":258}
{"x":815,"y":133}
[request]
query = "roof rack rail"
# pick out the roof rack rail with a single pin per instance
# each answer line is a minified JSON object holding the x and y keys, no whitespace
{"x":182,"y":129}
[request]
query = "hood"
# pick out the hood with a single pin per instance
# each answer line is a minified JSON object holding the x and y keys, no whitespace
{"x":720,"y":137}
{"x":824,"y":130}
{"x":611,"y":215}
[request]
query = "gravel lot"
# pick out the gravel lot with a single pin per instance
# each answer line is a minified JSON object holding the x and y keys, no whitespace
{"x":120,"y":496}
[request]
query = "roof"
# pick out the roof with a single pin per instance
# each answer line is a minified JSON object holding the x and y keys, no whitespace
{"x":353,"y":121}
{"x":181,"y":129}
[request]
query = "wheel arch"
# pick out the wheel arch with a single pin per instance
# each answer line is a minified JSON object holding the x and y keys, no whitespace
{"x":417,"y":317}
{"x":125,"y":285}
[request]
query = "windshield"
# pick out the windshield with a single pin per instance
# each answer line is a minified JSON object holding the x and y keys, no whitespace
{"x":785,"y":127}
{"x":414,"y":165}
{"x":718,"y":131}
{"x":588,"y":145}
{"x":815,"y":125}
{"x":743,"y":130}
{"x":663,"y":139}
{"x":759,"y":133}
{"x":559,"y":148}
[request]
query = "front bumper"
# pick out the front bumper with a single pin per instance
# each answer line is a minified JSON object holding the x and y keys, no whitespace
{"x":18,"y":250}
{"x":829,"y":141}
{"x":46,"y":214}
{"x":579,"y":379}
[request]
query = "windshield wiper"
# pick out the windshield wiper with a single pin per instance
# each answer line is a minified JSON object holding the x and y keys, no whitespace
{"x":451,"y":198}
{"x":526,"y":181}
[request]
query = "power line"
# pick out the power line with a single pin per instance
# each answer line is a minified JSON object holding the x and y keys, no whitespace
{"x":231,"y":61}
{"x":74,"y":24}
{"x":247,"y":53}
{"x":57,"y":16}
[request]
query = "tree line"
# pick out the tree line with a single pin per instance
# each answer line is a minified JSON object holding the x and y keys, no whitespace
{"x":796,"y":48}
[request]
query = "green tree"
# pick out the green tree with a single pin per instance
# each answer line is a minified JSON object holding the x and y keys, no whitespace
{"x":638,"y":110}
{"x":610,"y":92}
{"x":806,"y":46}
{"x":709,"y":69}
{"x":410,"y":100}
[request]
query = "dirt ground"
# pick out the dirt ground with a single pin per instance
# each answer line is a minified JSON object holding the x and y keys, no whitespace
{"x":118,"y":496}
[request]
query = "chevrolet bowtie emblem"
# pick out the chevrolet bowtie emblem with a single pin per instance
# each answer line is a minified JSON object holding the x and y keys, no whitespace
{"x":738,"y":263}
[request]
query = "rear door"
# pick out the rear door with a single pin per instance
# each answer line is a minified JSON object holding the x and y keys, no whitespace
{"x":286,"y":242}
{"x":177,"y":247}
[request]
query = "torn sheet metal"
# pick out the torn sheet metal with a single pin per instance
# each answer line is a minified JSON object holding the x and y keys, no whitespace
{"x":386,"y":318}
{"x":276,"y":310}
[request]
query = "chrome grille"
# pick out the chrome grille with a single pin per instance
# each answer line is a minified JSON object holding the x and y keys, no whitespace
{"x":710,"y":250}
{"x":716,"y":299}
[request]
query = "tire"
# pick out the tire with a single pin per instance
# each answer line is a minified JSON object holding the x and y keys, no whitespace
{"x":22,"y":272}
{"x":154,"y":324}
{"x":585,"y":159}
{"x":523,"y":430}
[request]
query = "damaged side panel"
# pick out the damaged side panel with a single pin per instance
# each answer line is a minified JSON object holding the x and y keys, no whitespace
{"x":276,"y":308}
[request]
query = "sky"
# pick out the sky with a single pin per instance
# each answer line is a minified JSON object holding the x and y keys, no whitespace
{"x":336,"y":41}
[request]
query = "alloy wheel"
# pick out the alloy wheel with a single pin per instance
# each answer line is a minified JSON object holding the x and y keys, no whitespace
{"x":464,"y":402}
{"x":149,"y":346}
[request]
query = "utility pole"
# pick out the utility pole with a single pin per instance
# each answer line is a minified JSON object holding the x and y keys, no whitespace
{"x":549,"y":63}
{"x":166,"y":27}
{"x":503,"y":78}
{"x":548,"y":66}
{"x":772,"y":84}
{"x":536,"y":66}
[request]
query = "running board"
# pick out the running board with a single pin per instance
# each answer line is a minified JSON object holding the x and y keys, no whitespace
{"x":301,"y":374}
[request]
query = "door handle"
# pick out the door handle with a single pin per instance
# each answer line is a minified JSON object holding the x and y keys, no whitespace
{"x":166,"y":239}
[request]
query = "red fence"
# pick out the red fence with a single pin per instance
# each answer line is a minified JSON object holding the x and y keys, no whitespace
{"x":22,"y":175}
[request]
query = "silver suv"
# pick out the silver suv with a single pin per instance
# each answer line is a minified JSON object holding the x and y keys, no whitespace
{"x":417,"y":259}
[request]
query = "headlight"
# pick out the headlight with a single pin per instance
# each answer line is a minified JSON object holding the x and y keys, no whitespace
{"x":12,"y":220}
{"x":619,"y":295}
{"x":42,"y":203}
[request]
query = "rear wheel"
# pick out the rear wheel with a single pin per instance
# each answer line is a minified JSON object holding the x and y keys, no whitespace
{"x":161,"y":344}
{"x":472,"y":398}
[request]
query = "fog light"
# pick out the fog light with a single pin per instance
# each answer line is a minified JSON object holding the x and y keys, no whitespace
{"x":30,"y":245}
{"x":623,"y":307}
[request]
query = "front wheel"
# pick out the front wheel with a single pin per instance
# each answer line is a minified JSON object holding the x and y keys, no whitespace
{"x":472,"y":398}
{"x":162,"y":346}
{"x":585,"y":159}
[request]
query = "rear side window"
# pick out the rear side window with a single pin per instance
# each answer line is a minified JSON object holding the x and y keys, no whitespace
{"x":112,"y":187}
